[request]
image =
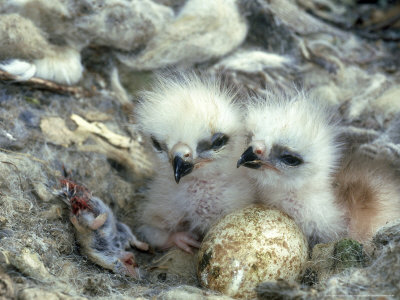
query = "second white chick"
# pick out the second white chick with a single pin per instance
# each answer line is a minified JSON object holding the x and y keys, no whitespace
{"x":293,"y":147}
{"x":195,"y":129}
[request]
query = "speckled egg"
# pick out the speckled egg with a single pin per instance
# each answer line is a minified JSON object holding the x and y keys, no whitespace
{"x":248,"y":247}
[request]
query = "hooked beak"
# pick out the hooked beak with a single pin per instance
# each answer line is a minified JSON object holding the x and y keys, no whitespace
{"x":181,"y":168}
{"x":249,"y":159}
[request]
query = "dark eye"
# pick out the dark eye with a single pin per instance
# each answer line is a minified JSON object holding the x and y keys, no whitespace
{"x":156,"y":144}
{"x":291,"y":160}
{"x":219,"y":140}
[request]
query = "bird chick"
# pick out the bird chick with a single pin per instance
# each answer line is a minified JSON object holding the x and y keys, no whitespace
{"x":195,"y":129}
{"x":101,"y":237}
{"x":292,"y":153}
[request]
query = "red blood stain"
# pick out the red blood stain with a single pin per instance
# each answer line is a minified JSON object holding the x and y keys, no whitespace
{"x":130,"y":262}
{"x":78,"y":195}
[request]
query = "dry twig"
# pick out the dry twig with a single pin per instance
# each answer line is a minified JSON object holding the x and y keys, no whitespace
{"x":45,"y":85}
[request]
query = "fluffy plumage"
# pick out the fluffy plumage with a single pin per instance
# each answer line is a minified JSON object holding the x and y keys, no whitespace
{"x":293,"y":146}
{"x":252,"y":61}
{"x":196,"y":131}
{"x":369,"y":191}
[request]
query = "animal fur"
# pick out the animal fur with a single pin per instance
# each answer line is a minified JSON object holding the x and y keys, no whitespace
{"x":51,"y":36}
{"x":27,"y":53}
{"x":369,"y":190}
{"x":253,"y":61}
{"x":121,"y":24}
{"x":202,"y":30}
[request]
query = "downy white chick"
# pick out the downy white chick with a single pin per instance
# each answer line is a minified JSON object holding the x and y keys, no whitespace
{"x":293,"y":147}
{"x":195,"y":129}
{"x":100,"y":235}
{"x":293,"y":152}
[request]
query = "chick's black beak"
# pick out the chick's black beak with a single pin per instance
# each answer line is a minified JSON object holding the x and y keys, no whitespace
{"x":249,"y":159}
{"x":181,"y":168}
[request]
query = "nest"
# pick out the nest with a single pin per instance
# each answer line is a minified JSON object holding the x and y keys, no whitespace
{"x":342,"y":52}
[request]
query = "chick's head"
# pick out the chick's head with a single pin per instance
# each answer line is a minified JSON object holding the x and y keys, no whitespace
{"x":192,"y":122}
{"x":292,"y":141}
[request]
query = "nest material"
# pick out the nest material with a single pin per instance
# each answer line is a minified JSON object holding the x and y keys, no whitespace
{"x":353,"y":66}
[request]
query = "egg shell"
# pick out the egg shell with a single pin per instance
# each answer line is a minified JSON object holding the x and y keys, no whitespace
{"x":248,"y":247}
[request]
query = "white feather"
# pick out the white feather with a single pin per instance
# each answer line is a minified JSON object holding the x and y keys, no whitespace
{"x":64,"y":66}
{"x":252,"y":61}
{"x":23,"y":70}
